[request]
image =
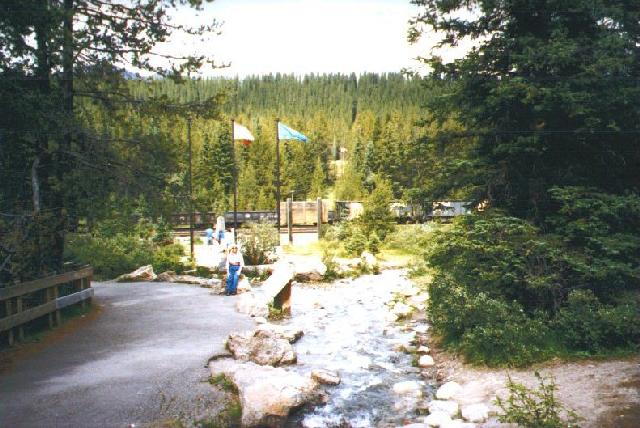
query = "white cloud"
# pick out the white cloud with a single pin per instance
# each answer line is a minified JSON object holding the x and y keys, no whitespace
{"x":305,"y":36}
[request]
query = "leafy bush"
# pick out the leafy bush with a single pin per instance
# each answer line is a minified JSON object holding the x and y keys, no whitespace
{"x":589,"y":326}
{"x":485,"y":329}
{"x":168,"y":257}
{"x":112,"y":253}
{"x":535,"y":408}
{"x":356,"y":242}
{"x":507,"y":292}
{"x":328,"y":258}
{"x":259,"y":242}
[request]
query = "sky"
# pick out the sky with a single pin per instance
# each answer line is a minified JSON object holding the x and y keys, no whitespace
{"x":305,"y":36}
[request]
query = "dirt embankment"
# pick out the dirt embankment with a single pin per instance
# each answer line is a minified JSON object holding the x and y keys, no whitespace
{"x":603,"y":393}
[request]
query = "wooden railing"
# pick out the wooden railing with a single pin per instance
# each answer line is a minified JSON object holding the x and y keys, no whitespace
{"x":28,"y":301}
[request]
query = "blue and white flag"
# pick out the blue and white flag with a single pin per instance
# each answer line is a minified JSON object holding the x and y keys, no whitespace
{"x":286,"y":133}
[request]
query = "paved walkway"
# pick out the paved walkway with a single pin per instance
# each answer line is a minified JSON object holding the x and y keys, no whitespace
{"x":141,"y":361}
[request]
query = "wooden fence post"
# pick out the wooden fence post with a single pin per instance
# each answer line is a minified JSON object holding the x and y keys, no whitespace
{"x":49,"y":294}
{"x":290,"y":219}
{"x":18,"y":310}
{"x":56,"y":294}
{"x":7,"y":304}
{"x":319,"y":216}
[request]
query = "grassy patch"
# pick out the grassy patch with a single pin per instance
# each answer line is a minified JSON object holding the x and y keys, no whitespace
{"x":224,"y":383}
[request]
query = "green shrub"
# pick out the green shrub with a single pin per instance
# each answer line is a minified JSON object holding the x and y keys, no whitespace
{"x":112,"y":253}
{"x":168,"y":257}
{"x":502,"y":284}
{"x":259,"y":242}
{"x":355,"y":243}
{"x":328,"y":258}
{"x":486,"y":330}
{"x":586,"y":325}
{"x":535,"y":408}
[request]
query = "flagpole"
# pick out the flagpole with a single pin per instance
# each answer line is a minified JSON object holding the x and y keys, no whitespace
{"x":235,"y":184}
{"x":278,"y":179}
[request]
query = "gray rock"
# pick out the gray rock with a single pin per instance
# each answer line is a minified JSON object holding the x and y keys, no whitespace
{"x":426,"y":361}
{"x":408,"y":387}
{"x":291,"y":334}
{"x":247,"y":303}
{"x":267,"y":394}
{"x":142,"y":274}
{"x":264,"y":347}
{"x":475,"y":412}
{"x":449,"y":407}
{"x":437,"y":419}
{"x":325,"y":377}
{"x":448,"y":390}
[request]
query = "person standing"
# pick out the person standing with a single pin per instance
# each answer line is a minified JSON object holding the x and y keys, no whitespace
{"x":209,"y":234}
{"x":219,"y":229}
{"x":235,"y":263}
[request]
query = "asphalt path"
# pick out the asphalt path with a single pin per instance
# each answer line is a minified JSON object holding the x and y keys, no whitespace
{"x":140,"y":362}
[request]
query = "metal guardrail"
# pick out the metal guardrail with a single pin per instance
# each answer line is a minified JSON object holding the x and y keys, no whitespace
{"x":45,"y":292}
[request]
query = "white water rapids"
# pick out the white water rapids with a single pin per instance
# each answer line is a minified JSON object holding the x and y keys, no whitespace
{"x":348,"y":329}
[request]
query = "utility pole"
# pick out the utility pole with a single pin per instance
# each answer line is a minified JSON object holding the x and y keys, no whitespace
{"x":190,"y":189}
{"x":278,"y":179}
{"x":235,"y":183}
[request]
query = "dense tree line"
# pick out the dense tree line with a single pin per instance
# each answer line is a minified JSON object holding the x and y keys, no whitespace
{"x":547,"y":104}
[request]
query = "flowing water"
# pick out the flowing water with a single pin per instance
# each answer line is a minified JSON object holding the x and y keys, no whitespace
{"x":348,"y":329}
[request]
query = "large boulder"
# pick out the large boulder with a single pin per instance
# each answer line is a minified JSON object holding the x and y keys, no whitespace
{"x":249,"y":304}
{"x":142,"y":274}
{"x":291,"y":334}
{"x":170,"y":276}
{"x":475,"y":412}
{"x":267,"y":394}
{"x":244,"y":286}
{"x":311,"y":270}
{"x":448,"y":390}
{"x":264,"y":347}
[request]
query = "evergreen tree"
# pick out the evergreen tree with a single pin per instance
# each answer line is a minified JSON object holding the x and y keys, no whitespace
{"x":318,"y":180}
{"x":550,"y":93}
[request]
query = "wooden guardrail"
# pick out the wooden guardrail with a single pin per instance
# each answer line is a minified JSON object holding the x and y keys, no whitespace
{"x":45,"y":296}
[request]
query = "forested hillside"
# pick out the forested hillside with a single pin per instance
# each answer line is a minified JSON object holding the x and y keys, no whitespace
{"x":369,"y":121}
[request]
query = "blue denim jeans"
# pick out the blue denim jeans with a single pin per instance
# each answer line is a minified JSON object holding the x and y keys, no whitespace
{"x":232,"y":279}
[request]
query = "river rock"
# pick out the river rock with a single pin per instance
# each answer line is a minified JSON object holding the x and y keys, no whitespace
{"x":325,"y":377}
{"x":449,"y":407}
{"x":264,"y":347}
{"x":419,"y":298}
{"x":408,"y":387}
{"x":267,"y":394}
{"x":421,"y":329}
{"x":247,"y":303}
{"x":291,"y":334}
{"x":414,"y":425}
{"x":448,"y":390}
{"x":437,"y":419}
{"x":369,"y":259}
{"x":475,"y":412}
{"x":166,"y":276}
{"x":244,"y":285}
{"x":142,"y":274}
{"x":426,"y":361}
{"x":400,"y":310}
{"x":310,"y":271}
{"x":423,"y":350}
{"x":171,"y":276}
{"x":458,"y":423}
